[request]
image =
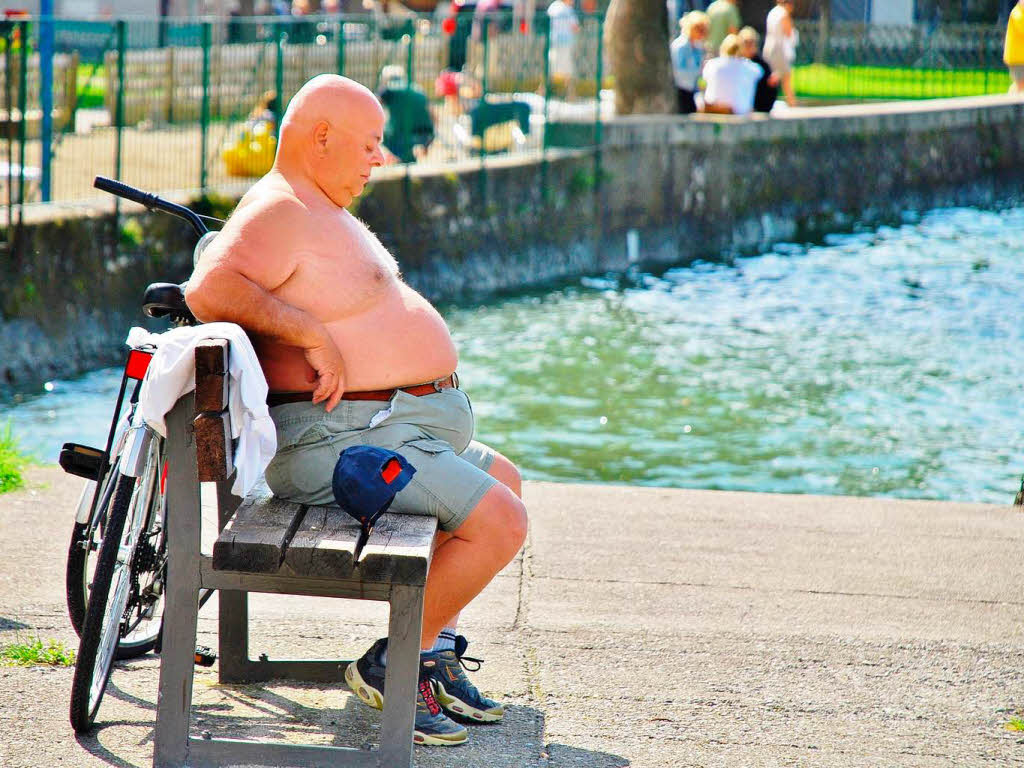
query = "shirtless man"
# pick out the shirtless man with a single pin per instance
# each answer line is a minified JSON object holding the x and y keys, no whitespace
{"x":352,"y":356}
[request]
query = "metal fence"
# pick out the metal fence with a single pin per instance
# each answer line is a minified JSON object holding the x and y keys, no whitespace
{"x":851,"y":61}
{"x":174,"y":106}
{"x":177,"y":106}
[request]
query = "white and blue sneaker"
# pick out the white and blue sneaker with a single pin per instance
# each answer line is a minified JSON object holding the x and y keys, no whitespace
{"x":365,"y":676}
{"x":454,"y":691}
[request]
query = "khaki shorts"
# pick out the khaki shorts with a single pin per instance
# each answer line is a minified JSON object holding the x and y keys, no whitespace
{"x":434,"y":432}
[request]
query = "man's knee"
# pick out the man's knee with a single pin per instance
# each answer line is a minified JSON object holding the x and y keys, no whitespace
{"x":499,"y":520}
{"x":504,"y":471}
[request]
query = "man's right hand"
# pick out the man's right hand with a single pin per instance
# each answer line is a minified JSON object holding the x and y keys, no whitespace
{"x":328,"y":373}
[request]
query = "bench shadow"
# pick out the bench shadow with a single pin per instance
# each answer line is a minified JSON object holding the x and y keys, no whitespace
{"x":328,"y":715}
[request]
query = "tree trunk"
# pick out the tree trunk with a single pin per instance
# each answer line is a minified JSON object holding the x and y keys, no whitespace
{"x":636,"y":37}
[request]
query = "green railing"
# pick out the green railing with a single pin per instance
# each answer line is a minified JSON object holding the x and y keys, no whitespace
{"x":852,"y":62}
{"x":178,"y":106}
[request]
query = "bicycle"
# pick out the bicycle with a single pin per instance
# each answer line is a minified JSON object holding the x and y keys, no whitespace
{"x":118,"y":552}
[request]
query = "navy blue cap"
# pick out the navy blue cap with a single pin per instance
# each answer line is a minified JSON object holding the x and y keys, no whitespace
{"x":366,"y":479}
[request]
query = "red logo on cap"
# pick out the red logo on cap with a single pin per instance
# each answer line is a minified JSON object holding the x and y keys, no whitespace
{"x":391,"y":470}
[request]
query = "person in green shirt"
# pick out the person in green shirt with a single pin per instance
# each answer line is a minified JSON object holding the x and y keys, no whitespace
{"x":724,"y":18}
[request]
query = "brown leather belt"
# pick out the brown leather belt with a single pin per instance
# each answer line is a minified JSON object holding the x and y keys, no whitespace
{"x":418,"y":390}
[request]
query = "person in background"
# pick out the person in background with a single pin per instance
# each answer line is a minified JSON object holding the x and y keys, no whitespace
{"x":1013,"y":52}
{"x":409,"y":129}
{"x":687,"y":53}
{"x":767,"y":90}
{"x":486,"y":11}
{"x":731,"y":80}
{"x":564,"y":26}
{"x":780,"y":42}
{"x":724,"y":18}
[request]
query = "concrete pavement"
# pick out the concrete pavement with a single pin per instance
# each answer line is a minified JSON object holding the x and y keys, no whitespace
{"x":640,"y":627}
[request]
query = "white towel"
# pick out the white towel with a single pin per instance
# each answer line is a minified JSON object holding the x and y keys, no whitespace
{"x":172,"y":373}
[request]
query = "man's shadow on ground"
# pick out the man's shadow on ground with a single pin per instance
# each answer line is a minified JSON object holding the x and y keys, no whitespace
{"x":264,"y":712}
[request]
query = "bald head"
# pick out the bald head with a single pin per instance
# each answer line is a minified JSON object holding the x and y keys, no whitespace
{"x":330,"y":135}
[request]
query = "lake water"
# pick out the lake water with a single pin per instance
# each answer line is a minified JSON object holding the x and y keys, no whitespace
{"x":884,"y":362}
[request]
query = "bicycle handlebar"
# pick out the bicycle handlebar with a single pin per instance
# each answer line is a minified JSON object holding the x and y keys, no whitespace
{"x":150,"y":202}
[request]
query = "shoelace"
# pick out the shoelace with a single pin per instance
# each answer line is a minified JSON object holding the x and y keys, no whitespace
{"x":428,"y":697}
{"x":461,"y":644}
{"x":463,"y":659}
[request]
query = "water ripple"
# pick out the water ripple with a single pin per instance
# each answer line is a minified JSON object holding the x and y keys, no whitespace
{"x":881,"y":362}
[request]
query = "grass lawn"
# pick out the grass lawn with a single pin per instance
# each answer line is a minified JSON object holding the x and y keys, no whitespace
{"x":820,"y":81}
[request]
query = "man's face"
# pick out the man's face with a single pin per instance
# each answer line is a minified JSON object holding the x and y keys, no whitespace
{"x":749,"y":49}
{"x":353,"y":152}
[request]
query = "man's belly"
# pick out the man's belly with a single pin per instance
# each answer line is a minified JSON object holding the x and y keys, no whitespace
{"x":401,"y":340}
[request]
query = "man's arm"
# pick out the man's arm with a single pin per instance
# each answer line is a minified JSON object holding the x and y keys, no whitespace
{"x":233,"y":283}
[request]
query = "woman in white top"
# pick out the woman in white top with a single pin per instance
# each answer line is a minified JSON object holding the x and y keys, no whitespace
{"x":731,"y":80}
{"x":780,"y":45}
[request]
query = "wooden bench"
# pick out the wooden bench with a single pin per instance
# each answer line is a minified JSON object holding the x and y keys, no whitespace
{"x":270,"y":545}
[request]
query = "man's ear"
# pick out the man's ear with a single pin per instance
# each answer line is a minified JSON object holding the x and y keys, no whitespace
{"x":320,"y":132}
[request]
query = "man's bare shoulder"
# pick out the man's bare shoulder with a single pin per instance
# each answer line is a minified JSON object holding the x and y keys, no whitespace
{"x":266,"y":209}
{"x":259,"y":239}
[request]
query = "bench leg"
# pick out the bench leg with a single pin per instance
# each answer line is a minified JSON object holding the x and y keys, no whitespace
{"x":233,"y":622}
{"x":174,"y":700}
{"x":232,"y":605}
{"x":404,"y":626}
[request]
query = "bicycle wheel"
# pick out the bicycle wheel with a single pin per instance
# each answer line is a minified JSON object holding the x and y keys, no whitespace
{"x":135,"y":515}
{"x":83,"y":553}
{"x":84,"y":549}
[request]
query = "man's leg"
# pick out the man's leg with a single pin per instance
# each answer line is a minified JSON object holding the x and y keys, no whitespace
{"x":464,"y":561}
{"x":446,"y":656}
{"x":505,"y":472}
{"x":473,"y":555}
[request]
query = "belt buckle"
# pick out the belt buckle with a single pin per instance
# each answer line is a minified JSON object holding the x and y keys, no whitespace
{"x":454,"y":379}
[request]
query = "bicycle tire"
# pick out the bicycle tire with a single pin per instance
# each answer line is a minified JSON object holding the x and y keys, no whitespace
{"x":136,"y":515}
{"x":81,"y":556}
{"x":95,"y":655}
{"x":79,"y":574}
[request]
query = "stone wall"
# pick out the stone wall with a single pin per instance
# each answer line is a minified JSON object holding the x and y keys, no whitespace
{"x":690,"y":188}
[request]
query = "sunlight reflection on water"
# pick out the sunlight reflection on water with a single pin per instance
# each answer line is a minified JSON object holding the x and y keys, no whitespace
{"x":883,"y":362}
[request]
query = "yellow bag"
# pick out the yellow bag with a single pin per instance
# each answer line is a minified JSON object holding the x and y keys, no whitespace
{"x":251,"y":153}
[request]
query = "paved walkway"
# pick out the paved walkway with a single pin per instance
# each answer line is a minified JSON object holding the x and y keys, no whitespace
{"x":640,"y":627}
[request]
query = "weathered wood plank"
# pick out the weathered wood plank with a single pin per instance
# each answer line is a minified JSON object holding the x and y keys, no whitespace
{"x":214,"y":453}
{"x":257,"y":537}
{"x":398,"y":550}
{"x":211,"y":375}
{"x":324,"y":545}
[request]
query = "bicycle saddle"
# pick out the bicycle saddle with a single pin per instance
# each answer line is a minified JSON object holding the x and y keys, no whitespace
{"x":168,"y":300}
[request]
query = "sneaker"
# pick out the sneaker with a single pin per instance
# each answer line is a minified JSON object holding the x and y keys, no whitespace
{"x":454,"y":691}
{"x":365,"y":676}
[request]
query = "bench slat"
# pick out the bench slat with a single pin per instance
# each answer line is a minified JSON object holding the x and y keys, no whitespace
{"x":397,"y":551}
{"x":211,"y":375}
{"x":214,"y":459}
{"x":257,"y":537}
